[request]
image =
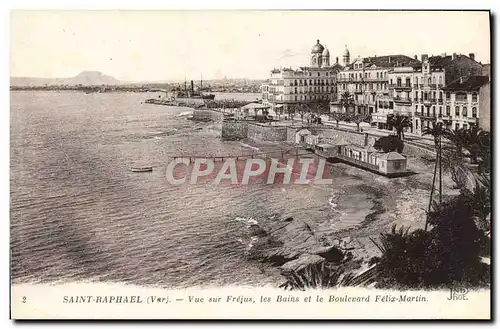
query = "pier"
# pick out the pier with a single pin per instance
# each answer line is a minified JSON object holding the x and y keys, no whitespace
{"x":220,"y":158}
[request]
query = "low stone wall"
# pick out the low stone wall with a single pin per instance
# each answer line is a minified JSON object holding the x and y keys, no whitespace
{"x":207,"y":115}
{"x":233,"y":130}
{"x":413,"y":150}
{"x":265,"y":132}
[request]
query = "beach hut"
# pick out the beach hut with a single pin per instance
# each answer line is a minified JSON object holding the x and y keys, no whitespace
{"x":254,"y":109}
{"x":391,"y":163}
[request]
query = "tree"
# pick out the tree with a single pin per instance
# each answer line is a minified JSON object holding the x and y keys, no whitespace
{"x":291,"y":110}
{"x":399,"y":122}
{"x":337,"y":116}
{"x":347,"y":101}
{"x":358,"y":118}
{"x":302,"y":110}
{"x":476,"y":142}
{"x":389,"y":143}
{"x":437,"y":131}
{"x":457,"y":137}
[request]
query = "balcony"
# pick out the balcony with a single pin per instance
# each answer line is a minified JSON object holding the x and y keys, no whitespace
{"x":402,"y":100}
{"x":433,"y":86}
{"x":473,"y":120}
{"x":440,"y":101}
{"x":402,"y":87}
{"x":425,"y":115}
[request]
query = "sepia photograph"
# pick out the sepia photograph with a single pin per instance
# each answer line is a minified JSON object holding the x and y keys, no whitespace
{"x":250,"y":164}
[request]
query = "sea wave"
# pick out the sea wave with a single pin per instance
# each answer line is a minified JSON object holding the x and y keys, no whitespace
{"x":249,"y":146}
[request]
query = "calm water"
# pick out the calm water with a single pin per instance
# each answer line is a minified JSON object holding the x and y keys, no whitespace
{"x":78,"y":213}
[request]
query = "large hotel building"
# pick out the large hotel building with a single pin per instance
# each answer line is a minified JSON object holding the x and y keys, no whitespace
{"x":453,"y":89}
{"x":287,"y":87}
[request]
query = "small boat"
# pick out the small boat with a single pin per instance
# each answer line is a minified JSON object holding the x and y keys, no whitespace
{"x":141,"y":169}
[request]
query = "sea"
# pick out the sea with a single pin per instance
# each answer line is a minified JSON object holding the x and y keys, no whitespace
{"x":78,"y":213}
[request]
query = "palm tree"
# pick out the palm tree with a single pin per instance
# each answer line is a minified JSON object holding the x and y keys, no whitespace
{"x":399,"y":122}
{"x":457,"y":137}
{"x":474,"y":140}
{"x":346,"y":101}
{"x":437,"y":131}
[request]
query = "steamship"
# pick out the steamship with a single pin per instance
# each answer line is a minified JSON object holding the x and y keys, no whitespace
{"x":193,"y":94}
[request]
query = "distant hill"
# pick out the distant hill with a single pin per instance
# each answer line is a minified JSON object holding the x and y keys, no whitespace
{"x":86,"y":78}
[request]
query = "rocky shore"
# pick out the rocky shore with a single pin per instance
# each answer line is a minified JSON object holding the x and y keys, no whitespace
{"x":294,"y":243}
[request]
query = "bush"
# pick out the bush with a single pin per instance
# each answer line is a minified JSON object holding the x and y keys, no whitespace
{"x":448,"y":254}
{"x":389,"y":143}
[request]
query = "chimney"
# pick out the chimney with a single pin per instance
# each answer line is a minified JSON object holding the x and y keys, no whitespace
{"x":471,"y":56}
{"x":389,"y":59}
{"x":192,"y":85}
{"x":454,"y":56}
{"x":336,"y":60}
{"x":416,"y":57}
{"x":424,"y":57}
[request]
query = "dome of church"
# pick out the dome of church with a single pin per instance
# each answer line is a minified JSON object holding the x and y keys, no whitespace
{"x":346,"y":52}
{"x":318,"y":48}
{"x":326,"y":52}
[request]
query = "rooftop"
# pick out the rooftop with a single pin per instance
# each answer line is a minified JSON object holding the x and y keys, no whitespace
{"x":468,"y":83}
{"x":391,"y":156}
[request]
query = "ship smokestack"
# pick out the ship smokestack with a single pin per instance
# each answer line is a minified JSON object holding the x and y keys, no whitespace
{"x":192,"y":85}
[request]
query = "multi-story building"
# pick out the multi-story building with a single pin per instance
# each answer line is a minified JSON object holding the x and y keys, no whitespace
{"x":367,"y":80}
{"x":467,"y":103}
{"x":426,"y":94}
{"x":316,"y":83}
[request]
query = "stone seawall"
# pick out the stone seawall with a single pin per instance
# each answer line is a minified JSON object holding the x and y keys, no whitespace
{"x":417,"y":151}
{"x":264,"y":132}
{"x":207,"y":115}
{"x":234,"y":130}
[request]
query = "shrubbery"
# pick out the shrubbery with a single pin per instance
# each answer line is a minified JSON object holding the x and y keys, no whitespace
{"x":448,"y":254}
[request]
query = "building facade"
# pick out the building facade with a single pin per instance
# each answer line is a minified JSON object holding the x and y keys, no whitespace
{"x":367,"y":81}
{"x":287,"y":87}
{"x":468,"y":103}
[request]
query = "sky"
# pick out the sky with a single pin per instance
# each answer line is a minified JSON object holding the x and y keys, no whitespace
{"x":174,"y":45}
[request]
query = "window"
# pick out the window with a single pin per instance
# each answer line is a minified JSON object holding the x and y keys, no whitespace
{"x":416,"y":80}
{"x":440,"y":111}
{"x":391,"y":105}
{"x":425,"y":96}
{"x":440,"y":80}
{"x":397,"y":164}
{"x":433,"y":80}
{"x":422,"y":110}
{"x":434,"y":111}
{"x":416,"y":124}
{"x":447,"y":110}
{"x":465,"y":126}
{"x":457,"y":126}
{"x":416,"y":95}
{"x":448,"y":96}
{"x":441,"y":95}
{"x":474,"y":97}
{"x":461,"y":97}
{"x":408,"y":82}
{"x":474,"y":112}
{"x":464,"y":111}
{"x":433,"y":95}
{"x":399,"y":82}
{"x":457,"y":111}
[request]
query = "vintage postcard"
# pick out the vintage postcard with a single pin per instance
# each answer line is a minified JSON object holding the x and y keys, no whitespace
{"x":169,"y":164}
